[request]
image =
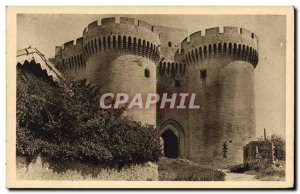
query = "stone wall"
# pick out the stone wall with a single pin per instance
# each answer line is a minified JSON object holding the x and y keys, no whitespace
{"x":221,"y":72}
{"x":259,"y":151}
{"x":217,"y":64}
{"x":170,"y":40}
{"x":69,"y":59}
{"x":124,"y":73}
{"x":39,"y":170}
{"x":118,"y":54}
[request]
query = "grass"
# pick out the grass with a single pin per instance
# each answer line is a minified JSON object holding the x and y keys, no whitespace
{"x":263,"y":172}
{"x":271,"y":173}
{"x":184,"y":170}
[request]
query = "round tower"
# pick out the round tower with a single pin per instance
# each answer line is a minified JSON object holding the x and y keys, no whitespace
{"x":221,"y":72}
{"x":121,"y":56}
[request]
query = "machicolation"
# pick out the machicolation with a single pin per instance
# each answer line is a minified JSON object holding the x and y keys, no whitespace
{"x":123,"y":37}
{"x":239,"y":44}
{"x":122,"y":54}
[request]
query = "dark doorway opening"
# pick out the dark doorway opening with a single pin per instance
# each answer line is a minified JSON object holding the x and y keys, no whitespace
{"x":171,"y":145}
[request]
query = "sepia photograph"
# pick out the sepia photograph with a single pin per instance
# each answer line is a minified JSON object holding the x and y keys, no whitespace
{"x":150,"y":97}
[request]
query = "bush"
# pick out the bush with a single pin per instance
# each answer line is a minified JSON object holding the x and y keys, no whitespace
{"x":198,"y":173}
{"x":61,"y":127}
{"x":240,"y":168}
{"x":279,"y":146}
{"x":271,"y":173}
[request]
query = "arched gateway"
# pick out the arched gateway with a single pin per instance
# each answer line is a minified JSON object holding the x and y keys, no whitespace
{"x":172,"y":136}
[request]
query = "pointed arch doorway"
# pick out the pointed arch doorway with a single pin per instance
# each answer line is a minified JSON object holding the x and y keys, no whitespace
{"x":170,"y":144}
{"x":172,"y":139}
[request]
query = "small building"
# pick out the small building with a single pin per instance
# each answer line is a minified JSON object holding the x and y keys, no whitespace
{"x":259,"y":152}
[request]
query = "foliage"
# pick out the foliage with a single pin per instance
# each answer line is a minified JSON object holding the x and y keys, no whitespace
{"x":262,"y":171}
{"x":279,"y":146}
{"x":271,"y":173}
{"x":275,"y":172}
{"x":58,"y":126}
{"x":240,"y":168}
{"x":183,"y":170}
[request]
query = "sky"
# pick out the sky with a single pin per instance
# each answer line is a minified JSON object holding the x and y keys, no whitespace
{"x":47,"y":31}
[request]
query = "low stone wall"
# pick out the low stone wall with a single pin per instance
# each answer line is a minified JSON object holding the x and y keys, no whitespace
{"x":39,"y":170}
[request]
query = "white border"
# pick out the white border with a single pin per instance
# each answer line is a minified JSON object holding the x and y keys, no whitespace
{"x":84,"y":3}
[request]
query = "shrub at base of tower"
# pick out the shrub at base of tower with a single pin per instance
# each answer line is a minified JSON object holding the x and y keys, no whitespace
{"x":70,"y":128}
{"x":270,"y":173}
{"x":185,"y":170}
{"x":279,"y":146}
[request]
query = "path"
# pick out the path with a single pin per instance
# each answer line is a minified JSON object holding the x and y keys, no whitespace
{"x":230,"y":176}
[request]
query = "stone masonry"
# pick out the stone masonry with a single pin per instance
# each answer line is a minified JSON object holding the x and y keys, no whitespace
{"x":133,"y":56}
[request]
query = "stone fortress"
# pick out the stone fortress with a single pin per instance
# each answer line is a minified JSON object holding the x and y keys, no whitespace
{"x":122,"y":54}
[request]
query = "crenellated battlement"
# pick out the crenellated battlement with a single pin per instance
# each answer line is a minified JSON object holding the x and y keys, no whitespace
{"x":226,"y":33}
{"x":71,"y":55}
{"x":122,"y":54}
{"x":121,"y":35}
{"x":72,"y":43}
{"x":68,"y":44}
{"x":95,"y":25}
{"x":233,"y":42}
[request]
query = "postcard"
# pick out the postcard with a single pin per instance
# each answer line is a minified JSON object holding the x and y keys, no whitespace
{"x":150,"y":97}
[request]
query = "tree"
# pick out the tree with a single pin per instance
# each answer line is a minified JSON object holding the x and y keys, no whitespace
{"x":279,"y":145}
{"x":58,"y":126}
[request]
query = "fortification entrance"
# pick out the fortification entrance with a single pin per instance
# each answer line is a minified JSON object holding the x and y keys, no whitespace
{"x":172,"y":136}
{"x":170,"y":144}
